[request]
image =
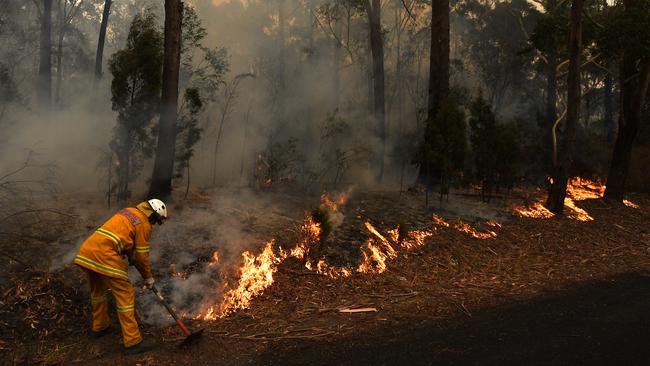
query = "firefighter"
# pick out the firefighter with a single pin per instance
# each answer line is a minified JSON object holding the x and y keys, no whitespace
{"x":105,"y":256}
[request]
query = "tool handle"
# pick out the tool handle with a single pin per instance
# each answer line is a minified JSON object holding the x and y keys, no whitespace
{"x":170,"y":310}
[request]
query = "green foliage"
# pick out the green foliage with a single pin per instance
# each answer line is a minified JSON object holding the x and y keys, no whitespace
{"x":201,"y":82}
{"x":136,"y":86}
{"x":494,"y":38}
{"x":322,"y":218}
{"x":483,"y":135}
{"x":403,"y":229}
{"x":188,"y":130}
{"x":280,"y":162}
{"x":626,"y":30}
{"x":206,"y":75}
{"x":494,"y":147}
{"x":445,"y":156}
{"x":550,"y":34}
{"x":137,"y":72}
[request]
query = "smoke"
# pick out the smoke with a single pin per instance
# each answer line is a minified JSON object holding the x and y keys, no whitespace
{"x":230,"y":222}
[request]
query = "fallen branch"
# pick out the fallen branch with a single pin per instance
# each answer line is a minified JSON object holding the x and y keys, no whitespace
{"x":359,"y":310}
{"x":409,"y":294}
{"x":265,"y":336}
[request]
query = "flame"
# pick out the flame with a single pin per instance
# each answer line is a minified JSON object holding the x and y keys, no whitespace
{"x":576,"y":212}
{"x":323,"y":268}
{"x":630,"y":204}
{"x":582,"y":189}
{"x":536,"y":211}
{"x":578,"y":189}
{"x":416,"y":238}
{"x":256,"y":271}
{"x":390,"y":251}
{"x":256,"y":274}
{"x":374,"y":259}
{"x":216,"y":257}
{"x":464,"y":227}
{"x":333,"y":206}
{"x":310,"y":232}
{"x":439,"y":220}
{"x":493,"y":223}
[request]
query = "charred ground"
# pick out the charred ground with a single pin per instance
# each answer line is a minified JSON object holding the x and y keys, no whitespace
{"x":543,"y":291}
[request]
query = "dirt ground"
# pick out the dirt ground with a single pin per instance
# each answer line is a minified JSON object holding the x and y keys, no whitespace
{"x":543,"y":291}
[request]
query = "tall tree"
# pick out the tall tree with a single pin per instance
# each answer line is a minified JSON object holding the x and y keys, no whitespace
{"x":45,"y":56}
{"x":66,"y":10}
{"x":161,"y":181}
{"x":634,"y":82}
{"x":102,"y":38}
{"x":551,"y":82}
{"x":564,"y":156}
{"x":135,"y":90}
{"x":608,"y":120}
{"x":438,"y":73}
{"x":439,"y":62}
{"x":373,"y":11}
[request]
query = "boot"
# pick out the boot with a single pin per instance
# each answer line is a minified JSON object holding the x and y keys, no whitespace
{"x":106,"y":331}
{"x":144,"y":346}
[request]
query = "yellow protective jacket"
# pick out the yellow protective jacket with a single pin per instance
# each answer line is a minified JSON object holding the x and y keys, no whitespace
{"x":126,"y":234}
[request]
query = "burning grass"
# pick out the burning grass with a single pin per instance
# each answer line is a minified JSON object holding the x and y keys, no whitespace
{"x":437,"y":272}
{"x":578,"y":189}
{"x":256,"y":271}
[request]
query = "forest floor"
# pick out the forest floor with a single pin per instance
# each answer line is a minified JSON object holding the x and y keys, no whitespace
{"x":542,"y":291}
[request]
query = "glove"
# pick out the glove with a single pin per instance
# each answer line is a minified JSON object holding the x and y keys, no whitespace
{"x":149,"y":282}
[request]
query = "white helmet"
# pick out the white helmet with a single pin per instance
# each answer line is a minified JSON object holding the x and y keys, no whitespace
{"x":159,"y":209}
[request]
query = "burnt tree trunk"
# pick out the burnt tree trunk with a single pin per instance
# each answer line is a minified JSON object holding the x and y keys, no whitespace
{"x":609,"y":108}
{"x":45,"y":57}
{"x":634,"y":82}
{"x":438,"y":73}
{"x":102,"y":38}
{"x":551,"y":95}
{"x":560,"y":175}
{"x":379,"y":107}
{"x":282,"y":60}
{"x":161,"y":181}
{"x":634,"y":88}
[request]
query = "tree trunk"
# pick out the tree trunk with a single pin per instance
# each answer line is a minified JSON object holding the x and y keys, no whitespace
{"x":282,"y":61}
{"x":633,"y":94}
{"x":398,"y":69}
{"x":161,"y":181}
{"x":45,"y":57}
{"x":102,"y":37}
{"x":379,"y":106}
{"x":438,"y":71}
{"x":439,"y":65}
{"x":609,"y":109}
{"x":560,"y":176}
{"x":59,"y":62}
{"x":310,"y":32}
{"x":551,"y":96}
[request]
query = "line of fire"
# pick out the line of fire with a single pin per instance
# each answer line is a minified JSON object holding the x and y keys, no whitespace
{"x":324,"y":182}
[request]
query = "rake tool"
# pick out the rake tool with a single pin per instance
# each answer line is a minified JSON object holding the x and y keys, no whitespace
{"x":190,"y":337}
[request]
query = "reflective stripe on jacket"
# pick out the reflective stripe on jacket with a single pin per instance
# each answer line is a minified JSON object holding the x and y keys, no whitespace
{"x":125,"y":234}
